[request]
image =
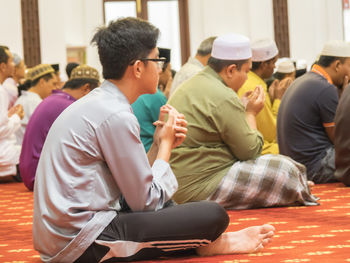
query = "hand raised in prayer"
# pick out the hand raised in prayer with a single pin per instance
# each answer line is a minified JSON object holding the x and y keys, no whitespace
{"x":18,"y":109}
{"x":282,"y":87}
{"x":173,"y":130}
{"x":272,"y":89}
{"x":255,"y":100}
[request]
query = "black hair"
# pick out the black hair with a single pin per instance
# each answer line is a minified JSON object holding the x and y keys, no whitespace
{"x":164,"y":53}
{"x":25,"y":86}
{"x":77,"y":83}
{"x":300,"y":72}
{"x":218,"y":64}
{"x":122,"y":42}
{"x":70,"y":67}
{"x":326,"y":61}
{"x":4,"y":57}
{"x":56,"y":67}
{"x":46,"y":77}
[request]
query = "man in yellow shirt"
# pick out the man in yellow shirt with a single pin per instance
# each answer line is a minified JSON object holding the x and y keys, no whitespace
{"x":264,"y":56}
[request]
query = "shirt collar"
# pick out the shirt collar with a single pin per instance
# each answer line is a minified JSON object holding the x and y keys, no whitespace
{"x":196,"y":62}
{"x":320,"y":70}
{"x":114,"y":90}
{"x":214,"y":74}
{"x":254,"y":75}
{"x":58,"y":92}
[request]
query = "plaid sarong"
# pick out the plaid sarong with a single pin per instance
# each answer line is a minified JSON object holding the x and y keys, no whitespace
{"x":270,"y":180}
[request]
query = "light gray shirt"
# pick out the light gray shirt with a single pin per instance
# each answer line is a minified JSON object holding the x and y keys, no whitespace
{"x":92,"y":155}
{"x":187,"y":71}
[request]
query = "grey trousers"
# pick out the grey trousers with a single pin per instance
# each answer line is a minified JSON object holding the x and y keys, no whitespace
{"x":325,"y":174}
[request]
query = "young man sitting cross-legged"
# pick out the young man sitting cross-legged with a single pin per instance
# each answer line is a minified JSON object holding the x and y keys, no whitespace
{"x":93,"y":155}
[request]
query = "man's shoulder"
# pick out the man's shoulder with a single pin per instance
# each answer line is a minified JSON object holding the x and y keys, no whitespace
{"x":250,"y":84}
{"x":28,"y":98}
{"x":312,"y":80}
{"x":52,"y":105}
{"x":186,"y":72}
{"x":95,"y":109}
{"x":204,"y":88}
{"x":190,"y":67}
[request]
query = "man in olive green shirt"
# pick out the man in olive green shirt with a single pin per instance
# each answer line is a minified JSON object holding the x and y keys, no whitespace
{"x":219,"y":160}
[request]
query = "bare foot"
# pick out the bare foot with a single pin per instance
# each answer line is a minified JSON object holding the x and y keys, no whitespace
{"x":248,"y":240}
{"x":311,"y":184}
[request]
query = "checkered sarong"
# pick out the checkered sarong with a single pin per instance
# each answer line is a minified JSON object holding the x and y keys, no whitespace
{"x":270,"y":180}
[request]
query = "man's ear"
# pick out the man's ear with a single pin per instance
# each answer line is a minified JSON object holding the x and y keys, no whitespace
{"x":42,"y":81}
{"x":231,"y":70}
{"x":336,"y":65}
{"x":86,"y":88}
{"x":2,"y":66}
{"x":138,"y":68}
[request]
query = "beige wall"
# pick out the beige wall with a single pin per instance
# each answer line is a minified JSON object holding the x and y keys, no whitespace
{"x":68,"y":23}
{"x":311,"y":24}
{"x":11,"y":25}
{"x":253,"y":18}
{"x":73,"y":22}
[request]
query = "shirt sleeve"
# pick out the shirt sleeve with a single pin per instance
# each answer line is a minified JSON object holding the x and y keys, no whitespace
{"x":143,"y":187}
{"x":229,"y":118}
{"x":327,"y":103}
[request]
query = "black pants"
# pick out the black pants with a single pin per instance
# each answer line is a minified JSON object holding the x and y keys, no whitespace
{"x":166,"y":232}
{"x":17,"y":177}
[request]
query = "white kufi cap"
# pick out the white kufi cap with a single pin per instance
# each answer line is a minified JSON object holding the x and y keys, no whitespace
{"x":264,"y":49}
{"x":231,"y":47}
{"x":336,"y":48}
{"x":301,"y":64}
{"x":286,"y":66}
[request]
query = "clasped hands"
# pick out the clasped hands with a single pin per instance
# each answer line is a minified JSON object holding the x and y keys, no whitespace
{"x":18,"y":109}
{"x":172,"y":131}
{"x":278,"y":88}
{"x":253,"y":101}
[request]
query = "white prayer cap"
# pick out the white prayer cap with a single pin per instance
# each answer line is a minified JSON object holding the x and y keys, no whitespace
{"x":286,"y":66}
{"x":301,"y":64}
{"x":231,"y":47}
{"x":336,"y":48}
{"x":263,"y":49}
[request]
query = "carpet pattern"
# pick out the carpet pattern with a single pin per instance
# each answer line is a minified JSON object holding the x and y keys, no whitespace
{"x":303,"y":234}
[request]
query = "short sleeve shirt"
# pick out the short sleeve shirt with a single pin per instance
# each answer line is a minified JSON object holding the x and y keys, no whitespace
{"x":307,"y":107}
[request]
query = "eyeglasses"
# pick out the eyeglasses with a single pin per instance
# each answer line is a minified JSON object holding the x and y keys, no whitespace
{"x":160,"y":61}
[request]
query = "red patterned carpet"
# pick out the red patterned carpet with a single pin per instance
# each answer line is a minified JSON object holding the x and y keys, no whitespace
{"x":303,"y":234}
